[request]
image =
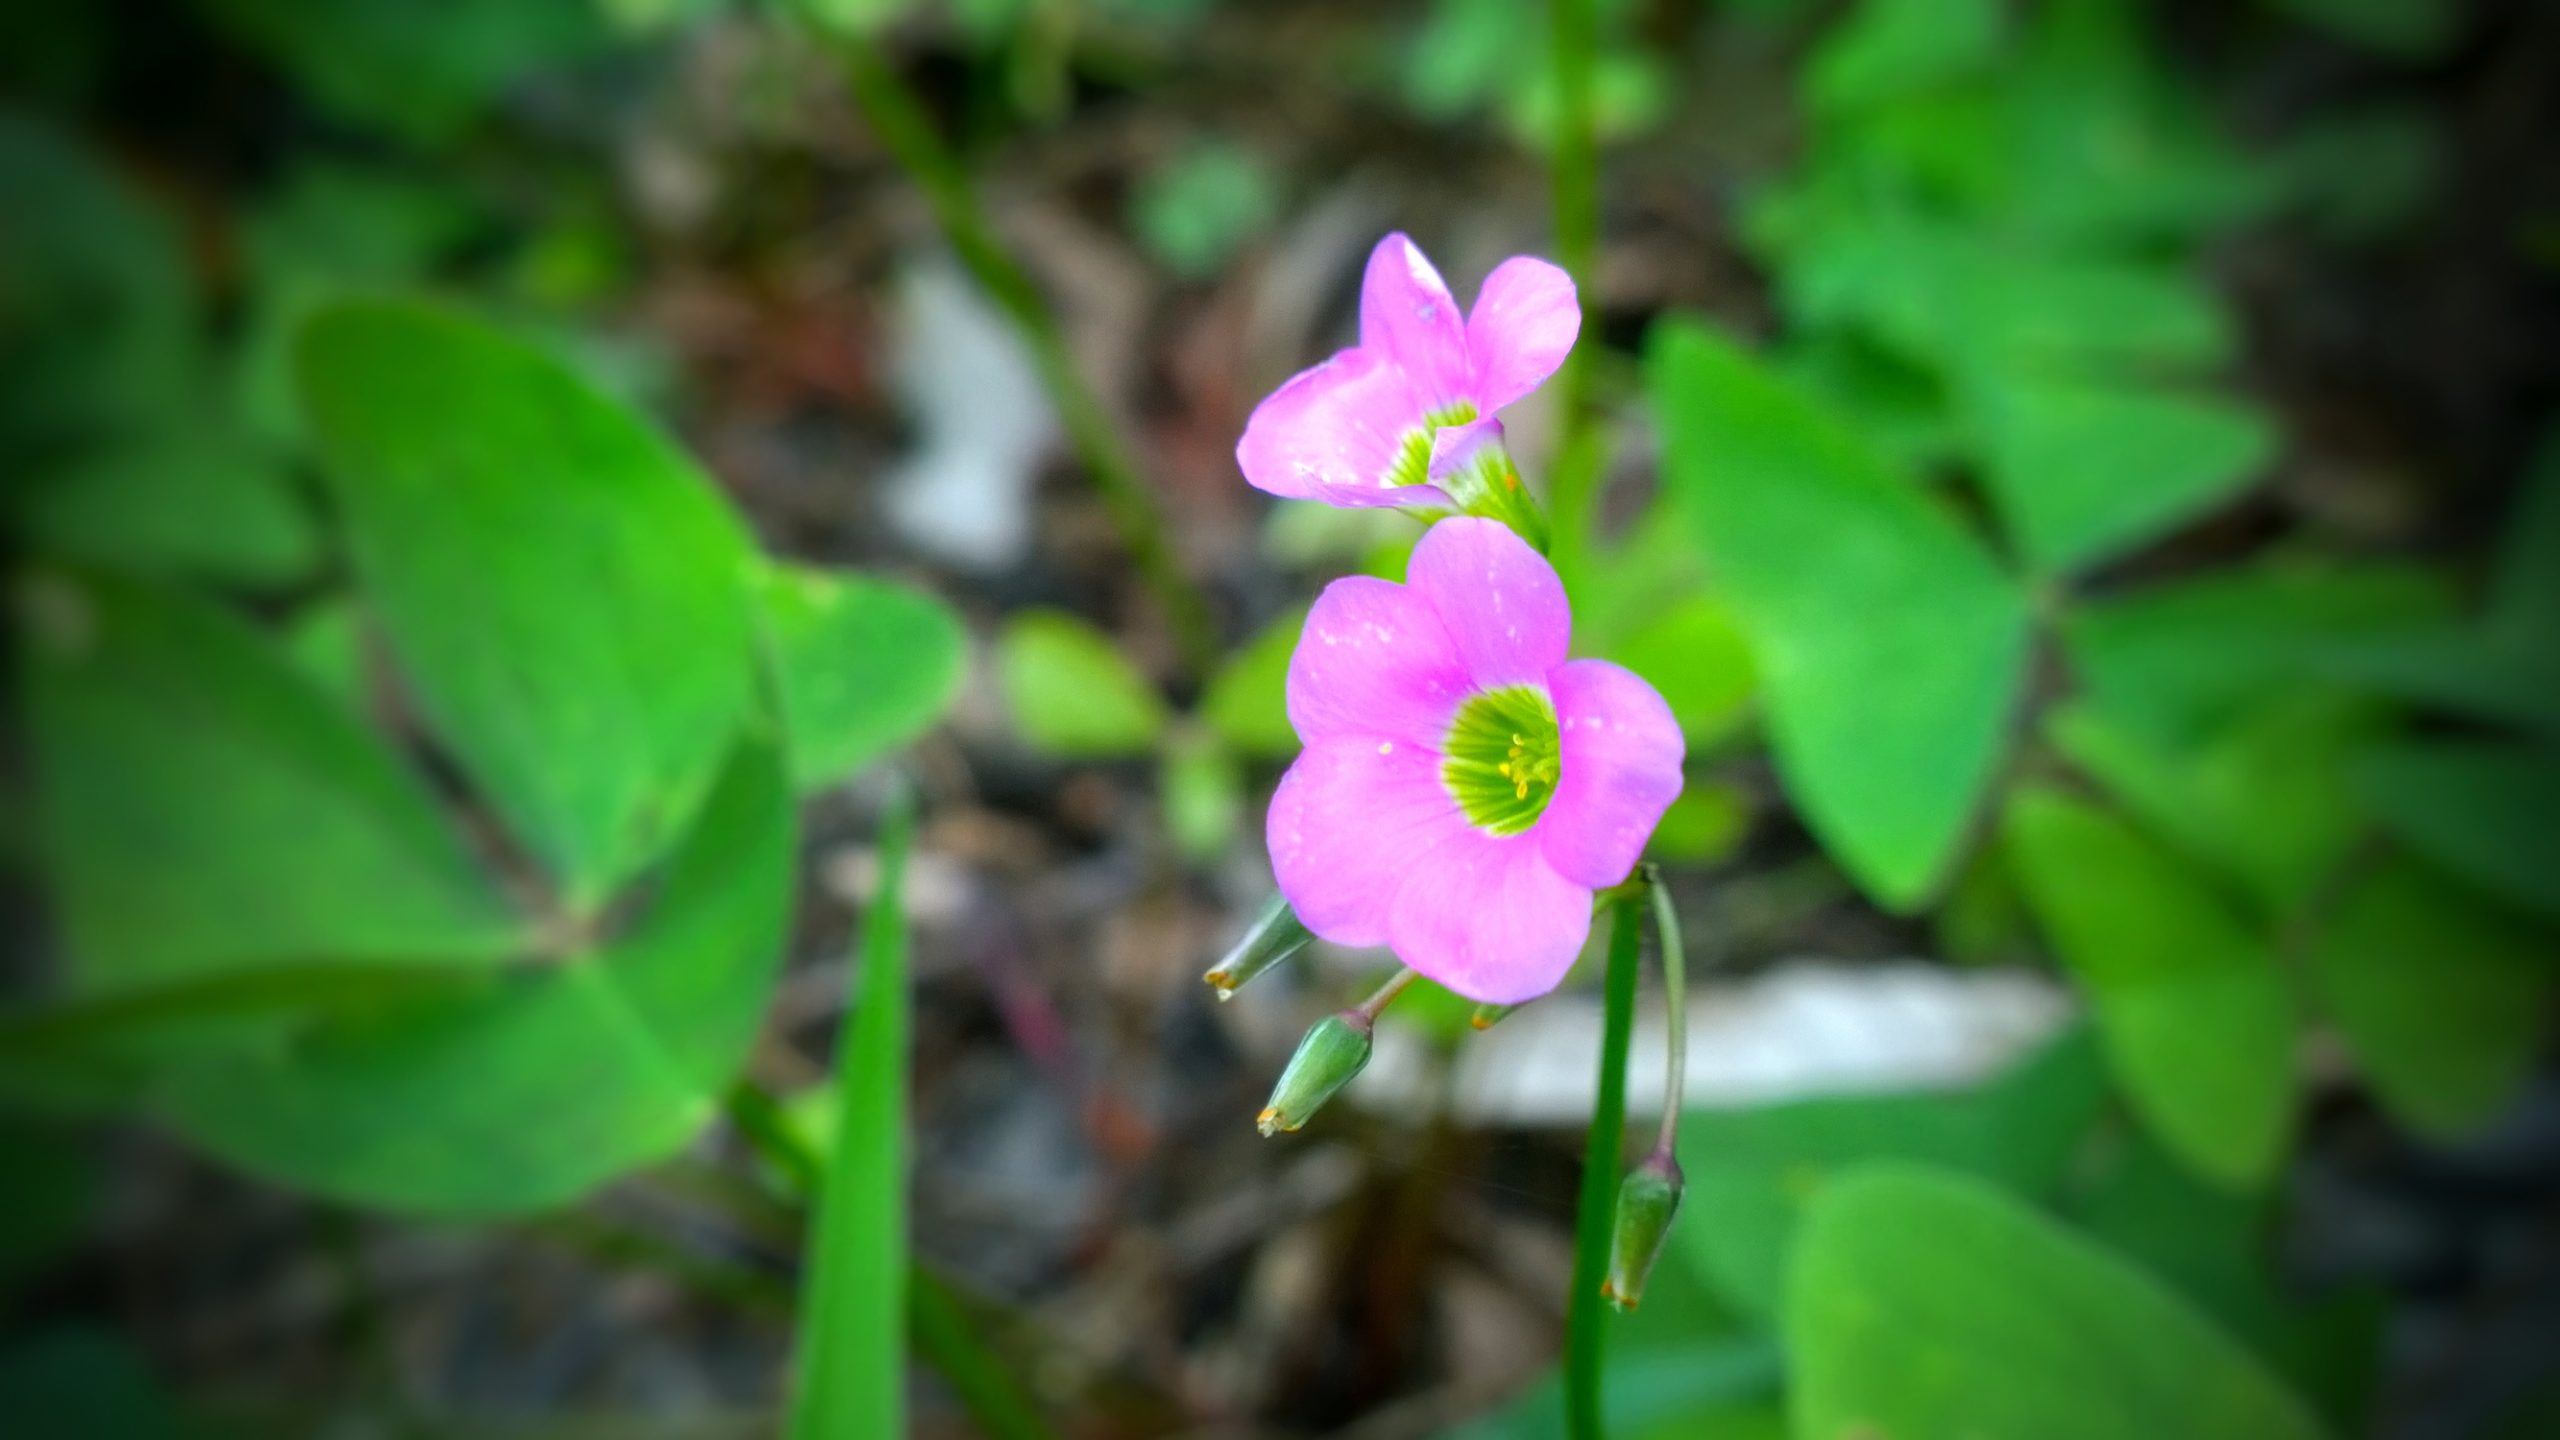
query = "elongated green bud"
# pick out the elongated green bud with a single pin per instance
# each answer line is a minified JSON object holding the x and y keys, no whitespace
{"x":1488,"y":1016}
{"x":1274,"y":936}
{"x":1647,"y":1199}
{"x":1335,"y":1049}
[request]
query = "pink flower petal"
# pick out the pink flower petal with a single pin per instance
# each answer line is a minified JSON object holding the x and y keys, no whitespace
{"x":1489,"y":918}
{"x":1333,"y":433}
{"x":1621,"y":755}
{"x":1347,"y":825}
{"x":1454,"y":445}
{"x":1524,"y":323}
{"x":1500,"y":600}
{"x":1408,"y":315}
{"x":1374,"y":662}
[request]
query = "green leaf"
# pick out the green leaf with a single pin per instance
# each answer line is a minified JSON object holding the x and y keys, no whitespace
{"x":861,"y":666}
{"x":1203,"y":797}
{"x":852,"y":1353}
{"x":99,"y":323}
{"x":1696,"y":656}
{"x":1925,"y":1305}
{"x":1195,"y":212}
{"x":1071,"y":692}
{"x":2486,"y":811}
{"x":422,"y":70}
{"x":563,"y":589}
{"x":1751,"y":1173}
{"x":546,"y":1080}
{"x":1887,"y":49}
{"x":205,"y":806}
{"x":1247,"y":702}
{"x":81,"y":1384}
{"x":2195,"y":1013}
{"x":2440,"y":995}
{"x":2175,"y":661}
{"x":2410,"y":30}
{"x":1708,"y":823}
{"x":1889,"y":645}
{"x":2262,"y":799}
{"x":2217,"y":1249}
{"x":191,"y":499}
{"x":2088,"y":470}
{"x":2503,"y":666}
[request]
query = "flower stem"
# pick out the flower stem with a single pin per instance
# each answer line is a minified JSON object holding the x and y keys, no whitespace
{"x":1576,"y":163}
{"x":1370,"y":1008}
{"x":1595,"y":1220}
{"x":899,"y":119}
{"x":1675,"y":1000}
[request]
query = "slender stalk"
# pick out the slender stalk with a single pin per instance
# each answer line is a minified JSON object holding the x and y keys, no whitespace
{"x":1596,"y":1218}
{"x":1675,"y":1000}
{"x":1377,"y":1003}
{"x":899,"y":118}
{"x":1577,"y":219}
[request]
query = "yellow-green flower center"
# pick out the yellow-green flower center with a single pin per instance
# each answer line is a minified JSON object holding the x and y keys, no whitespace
{"x":1502,"y":758}
{"x":1412,"y":464}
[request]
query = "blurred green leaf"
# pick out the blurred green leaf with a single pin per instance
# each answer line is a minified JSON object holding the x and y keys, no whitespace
{"x":2108,"y":149}
{"x":1247,"y":702}
{"x":861,"y":666}
{"x":851,"y":1358}
{"x":1071,"y":692}
{"x":1203,"y":794}
{"x":564,"y":591}
{"x":1708,"y":823}
{"x":2215,"y":1248}
{"x":188,"y":498}
{"x":205,"y":806}
{"x":1984,"y":919}
{"x":2486,"y":811}
{"x":1901,"y":408}
{"x":1926,"y":1305}
{"x":2197,"y":1019}
{"x":1197,"y":211}
{"x":54,"y":1190}
{"x":1696,"y":656}
{"x":422,"y":70}
{"x":546,"y":1080}
{"x":1886,"y":49}
{"x":2361,"y":175}
{"x":1751,"y":1173}
{"x":2088,"y":470}
{"x":2441,"y":996}
{"x":1889,"y":645}
{"x":2504,"y":664}
{"x":326,"y":638}
{"x":2410,"y":30}
{"x":82,"y":1384}
{"x":99,"y":324}
{"x":327,"y":229}
{"x":2262,"y":799}
{"x":2176,"y":660}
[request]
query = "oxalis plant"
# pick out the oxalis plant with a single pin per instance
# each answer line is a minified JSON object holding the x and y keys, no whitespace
{"x":1468,"y":797}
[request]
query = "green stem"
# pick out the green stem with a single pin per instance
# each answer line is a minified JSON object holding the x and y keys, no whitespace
{"x":1675,"y":1000}
{"x":899,"y":118}
{"x":1577,"y":218}
{"x":1596,"y":1218}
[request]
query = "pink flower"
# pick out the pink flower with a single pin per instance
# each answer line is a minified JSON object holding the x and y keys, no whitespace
{"x":1465,"y":788}
{"x":1377,"y":423}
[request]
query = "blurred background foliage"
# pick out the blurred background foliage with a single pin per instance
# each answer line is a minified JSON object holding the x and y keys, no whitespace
{"x":2081,"y":472}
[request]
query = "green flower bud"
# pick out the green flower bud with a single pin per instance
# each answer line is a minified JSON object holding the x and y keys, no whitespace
{"x":1276,"y":934}
{"x":1488,"y":1016}
{"x":1335,"y":1049}
{"x":1647,"y":1199}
